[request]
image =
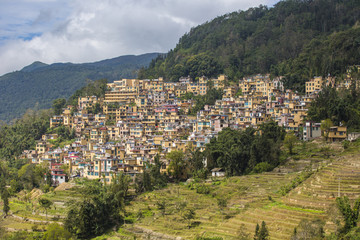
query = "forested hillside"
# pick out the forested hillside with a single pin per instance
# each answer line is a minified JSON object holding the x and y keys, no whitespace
{"x":37,"y":85}
{"x":293,"y":34}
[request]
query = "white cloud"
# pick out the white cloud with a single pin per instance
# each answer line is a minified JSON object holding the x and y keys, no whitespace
{"x":82,"y":31}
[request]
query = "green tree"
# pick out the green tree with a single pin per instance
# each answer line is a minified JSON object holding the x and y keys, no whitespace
{"x":325,"y":127}
{"x":289,"y":142}
{"x":31,"y":175}
{"x":242,"y":234}
{"x":58,"y":105}
{"x":5,"y":198}
{"x":45,"y":204}
{"x":257,"y":231}
{"x":56,"y":232}
{"x":82,"y":220}
{"x":177,"y":166}
{"x":261,"y":233}
{"x":102,"y":207}
{"x":309,"y":229}
{"x":143,"y":182}
{"x":351,"y":215}
{"x":189,"y":215}
{"x":118,"y":192}
{"x":161,"y":206}
{"x":158,"y":179}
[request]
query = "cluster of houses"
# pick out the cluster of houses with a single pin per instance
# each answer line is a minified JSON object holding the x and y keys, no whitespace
{"x":138,"y":119}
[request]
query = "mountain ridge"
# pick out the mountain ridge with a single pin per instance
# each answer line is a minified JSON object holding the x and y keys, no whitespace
{"x":263,"y":40}
{"x":35,"y":86}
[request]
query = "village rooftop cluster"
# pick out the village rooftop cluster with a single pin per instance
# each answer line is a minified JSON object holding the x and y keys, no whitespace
{"x":142,"y":118}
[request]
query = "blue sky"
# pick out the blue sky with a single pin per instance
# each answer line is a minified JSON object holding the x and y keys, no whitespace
{"x":91,"y":30}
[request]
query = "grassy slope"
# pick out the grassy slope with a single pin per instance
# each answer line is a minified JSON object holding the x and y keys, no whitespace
{"x":250,"y":200}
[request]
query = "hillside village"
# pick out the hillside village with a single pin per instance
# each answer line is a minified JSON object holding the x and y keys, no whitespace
{"x":138,"y":119}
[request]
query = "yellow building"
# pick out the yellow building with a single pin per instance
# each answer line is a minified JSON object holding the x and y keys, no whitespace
{"x":203,"y":85}
{"x":220,"y":81}
{"x":314,"y":85}
{"x":229,"y":92}
{"x":41,"y":147}
{"x":192,"y":88}
{"x":85,"y":102}
{"x":336,"y":134}
{"x":156,"y":85}
{"x":120,"y":96}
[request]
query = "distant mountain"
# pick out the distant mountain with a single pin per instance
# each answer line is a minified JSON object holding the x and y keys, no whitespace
{"x":37,"y":85}
{"x":316,"y":37}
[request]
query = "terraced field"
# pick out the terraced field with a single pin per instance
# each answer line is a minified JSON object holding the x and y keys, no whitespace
{"x":27,"y":215}
{"x":249,"y":200}
{"x":242,"y":193}
{"x":255,"y":198}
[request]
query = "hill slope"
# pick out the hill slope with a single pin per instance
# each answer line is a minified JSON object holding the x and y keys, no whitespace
{"x":262,"y":40}
{"x":255,"y":198}
{"x":37,"y":85}
{"x":251,"y":199}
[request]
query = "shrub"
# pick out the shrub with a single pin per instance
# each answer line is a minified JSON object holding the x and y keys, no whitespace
{"x":346,"y":144}
{"x":294,"y":183}
{"x":208,"y":238}
{"x":262,"y":167}
{"x":222,"y":202}
{"x":203,"y":189}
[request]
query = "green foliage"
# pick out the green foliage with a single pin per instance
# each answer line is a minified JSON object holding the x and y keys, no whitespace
{"x":45,"y":204}
{"x":242,"y":234}
{"x":21,"y":235}
{"x":189,"y":215}
{"x":96,"y":108}
{"x":102,"y":206}
{"x":151,"y":178}
{"x":262,"y":167}
{"x":324,"y":55}
{"x":21,"y":135}
{"x":222,"y":202}
{"x":295,"y":182}
{"x":289,"y":142}
{"x":161,"y":206}
{"x":336,"y":107}
{"x":208,"y":238}
{"x":202,"y":189}
{"x":58,"y":105}
{"x":92,"y":88}
{"x":208,"y":99}
{"x":309,"y":229}
{"x":177,"y":166}
{"x":5,"y":197}
{"x":56,"y":232}
{"x":351,"y":215}
{"x":294,"y":38}
{"x":346,"y":144}
{"x":158,"y":179}
{"x":238,"y":152}
{"x":30,"y":176}
{"x":353,"y":234}
{"x":143,"y":182}
{"x":196,"y":163}
{"x":261,"y":233}
{"x":37,"y":85}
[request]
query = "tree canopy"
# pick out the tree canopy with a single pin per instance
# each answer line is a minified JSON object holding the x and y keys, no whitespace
{"x":239,"y":152}
{"x":297,"y":39}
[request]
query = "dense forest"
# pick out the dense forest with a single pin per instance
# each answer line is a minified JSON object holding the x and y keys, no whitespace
{"x":339,"y":108}
{"x":295,"y":38}
{"x":37,"y":85}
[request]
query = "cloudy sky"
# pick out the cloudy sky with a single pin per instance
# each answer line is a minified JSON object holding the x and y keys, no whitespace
{"x":89,"y":30}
